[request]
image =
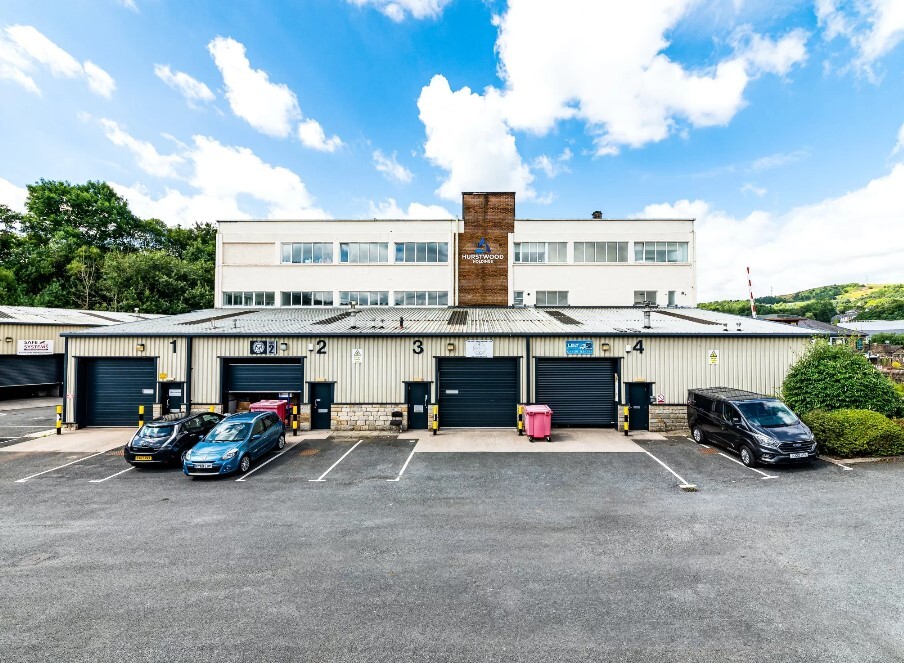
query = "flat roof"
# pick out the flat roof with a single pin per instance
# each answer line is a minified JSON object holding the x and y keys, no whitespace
{"x":39,"y":315}
{"x":371,"y":220}
{"x":573,"y":322}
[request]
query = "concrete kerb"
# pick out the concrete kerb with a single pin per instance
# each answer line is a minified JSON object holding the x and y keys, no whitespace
{"x":82,"y":440}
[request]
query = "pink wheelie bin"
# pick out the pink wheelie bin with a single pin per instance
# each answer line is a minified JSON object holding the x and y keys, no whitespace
{"x":538,"y":422}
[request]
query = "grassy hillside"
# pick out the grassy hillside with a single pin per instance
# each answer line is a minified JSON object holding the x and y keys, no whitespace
{"x":874,"y":301}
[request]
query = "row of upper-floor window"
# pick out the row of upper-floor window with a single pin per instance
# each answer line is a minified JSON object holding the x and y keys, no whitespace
{"x":524,"y":252}
{"x":345,"y":297}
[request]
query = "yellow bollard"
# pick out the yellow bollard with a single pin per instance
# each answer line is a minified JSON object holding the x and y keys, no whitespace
{"x":59,"y":419}
{"x":294,"y":420}
{"x":520,"y":420}
{"x":212,"y":408}
{"x":627,"y":410}
{"x":435,"y":418}
{"x":140,"y":416}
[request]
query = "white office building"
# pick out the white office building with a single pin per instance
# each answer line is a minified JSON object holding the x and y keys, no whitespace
{"x":488,"y":258}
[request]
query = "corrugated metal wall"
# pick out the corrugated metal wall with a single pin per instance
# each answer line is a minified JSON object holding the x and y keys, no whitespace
{"x":674,"y":364}
{"x":33,"y":333}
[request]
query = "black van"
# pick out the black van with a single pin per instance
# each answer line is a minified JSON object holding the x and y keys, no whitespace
{"x":760,"y":428}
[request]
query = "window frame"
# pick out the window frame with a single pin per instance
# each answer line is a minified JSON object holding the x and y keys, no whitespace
{"x":301,"y":249}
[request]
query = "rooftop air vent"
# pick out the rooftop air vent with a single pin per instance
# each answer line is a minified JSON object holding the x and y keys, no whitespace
{"x":597,"y":215}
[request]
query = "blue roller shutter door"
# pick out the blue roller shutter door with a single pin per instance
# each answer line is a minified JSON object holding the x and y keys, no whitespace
{"x":265,"y":377}
{"x":480,"y":393}
{"x":16,"y":371}
{"x":580,"y":392}
{"x":114,"y":389}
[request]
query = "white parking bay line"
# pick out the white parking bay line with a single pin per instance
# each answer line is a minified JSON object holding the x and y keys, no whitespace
{"x":683,"y":485}
{"x":752,"y":469}
{"x":112,"y":475}
{"x":408,"y":460}
{"x":60,"y":467}
{"x":320,"y":478}
{"x":250,"y":472}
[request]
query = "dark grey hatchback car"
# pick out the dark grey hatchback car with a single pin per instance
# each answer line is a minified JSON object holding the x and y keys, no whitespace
{"x":163,"y":440}
{"x":760,"y":429}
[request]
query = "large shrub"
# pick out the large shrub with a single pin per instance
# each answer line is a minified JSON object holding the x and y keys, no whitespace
{"x":835,"y":377}
{"x":848,"y":433}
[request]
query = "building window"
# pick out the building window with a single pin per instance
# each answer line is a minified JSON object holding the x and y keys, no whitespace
{"x":671,"y":298}
{"x":422,"y":298}
{"x":364,"y":297}
{"x":642,"y":297}
{"x":541,"y":252}
{"x":307,"y":253}
{"x":308,"y":298}
{"x":249,"y":299}
{"x":422,"y":252}
{"x":552,"y":298}
{"x":601,"y":252}
{"x":519,"y":298}
{"x":660,"y":252}
{"x":371,"y":252}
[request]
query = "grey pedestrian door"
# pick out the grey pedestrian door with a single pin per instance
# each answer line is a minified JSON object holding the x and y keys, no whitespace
{"x":418,"y":405}
{"x":321,"y":403}
{"x":580,"y":392}
{"x":479,"y":393}
{"x":112,"y":390}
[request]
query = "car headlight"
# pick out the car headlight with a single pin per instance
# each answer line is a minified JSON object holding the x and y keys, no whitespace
{"x":767,"y":441}
{"x":229,"y":454}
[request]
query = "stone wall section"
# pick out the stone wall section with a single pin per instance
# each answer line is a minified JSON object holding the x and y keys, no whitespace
{"x":668,"y":418}
{"x":348,"y":417}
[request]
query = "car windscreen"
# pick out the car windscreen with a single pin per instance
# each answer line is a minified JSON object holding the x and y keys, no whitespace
{"x":229,"y":432}
{"x":155,"y":432}
{"x":768,"y":415}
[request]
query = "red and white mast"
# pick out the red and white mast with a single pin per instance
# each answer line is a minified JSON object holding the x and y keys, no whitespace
{"x":752,"y":301}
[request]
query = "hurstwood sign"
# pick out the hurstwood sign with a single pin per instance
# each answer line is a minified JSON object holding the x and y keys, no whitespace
{"x":489,"y":220}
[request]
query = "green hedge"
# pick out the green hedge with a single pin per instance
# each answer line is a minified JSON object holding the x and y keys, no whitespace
{"x":849,"y":433}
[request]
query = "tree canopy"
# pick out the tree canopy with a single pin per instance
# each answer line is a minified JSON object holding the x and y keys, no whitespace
{"x":80,"y":246}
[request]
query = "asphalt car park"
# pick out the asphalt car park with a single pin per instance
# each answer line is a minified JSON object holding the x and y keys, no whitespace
{"x":468,"y":556}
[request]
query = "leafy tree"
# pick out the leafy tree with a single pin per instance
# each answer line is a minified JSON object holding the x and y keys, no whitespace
{"x":156,"y":282}
{"x":85,"y":272}
{"x":887,"y":337}
{"x":835,"y":377}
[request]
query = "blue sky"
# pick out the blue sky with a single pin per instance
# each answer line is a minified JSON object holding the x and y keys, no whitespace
{"x":778,"y":125}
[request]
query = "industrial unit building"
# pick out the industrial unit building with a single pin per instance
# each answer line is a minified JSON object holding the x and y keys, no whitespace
{"x":349,"y":368}
{"x":32,"y":350}
{"x":488,"y":258}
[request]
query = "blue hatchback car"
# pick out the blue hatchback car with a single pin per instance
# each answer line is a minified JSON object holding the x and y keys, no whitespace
{"x":233,"y":443}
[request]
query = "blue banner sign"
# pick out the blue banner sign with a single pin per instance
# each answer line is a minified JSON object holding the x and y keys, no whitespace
{"x":578,"y":347}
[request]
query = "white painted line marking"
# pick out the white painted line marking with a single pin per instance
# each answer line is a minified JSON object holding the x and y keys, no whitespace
{"x":53,"y":469}
{"x":408,"y":460}
{"x":838,"y":463}
{"x":752,"y":469}
{"x":112,"y":475}
{"x":675,"y":474}
{"x":250,"y":472}
{"x":320,"y":478}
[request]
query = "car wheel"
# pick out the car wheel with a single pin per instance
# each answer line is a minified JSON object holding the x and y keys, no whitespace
{"x":281,"y":442}
{"x":747,"y":456}
{"x":244,"y":464}
{"x":698,"y":435}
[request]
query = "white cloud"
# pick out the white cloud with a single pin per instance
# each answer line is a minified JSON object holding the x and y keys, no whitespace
{"x":754,"y":189}
{"x":468,"y":137}
{"x":777,"y":160}
{"x":311,"y":134}
{"x":763,"y":240}
{"x":12,"y":196}
{"x":391,"y":168}
{"x":397,"y":10}
{"x":23,"y":49}
{"x":271,"y":108}
{"x":228,"y":182}
{"x":899,"y":146}
{"x":873,"y":27}
{"x":389,"y":209}
{"x":191,"y":88}
{"x":146,"y":155}
{"x":553,"y":166}
{"x":129,"y":4}
{"x":604,"y":63}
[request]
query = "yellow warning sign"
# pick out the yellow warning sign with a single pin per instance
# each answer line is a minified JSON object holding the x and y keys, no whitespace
{"x":713,"y":357}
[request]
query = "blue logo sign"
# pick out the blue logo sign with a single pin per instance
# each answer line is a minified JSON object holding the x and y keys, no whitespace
{"x":483,"y":246}
{"x":578,"y":347}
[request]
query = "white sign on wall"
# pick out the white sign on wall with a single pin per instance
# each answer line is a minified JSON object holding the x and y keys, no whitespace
{"x":34,"y":348}
{"x":357,"y":356}
{"x":482,"y":349}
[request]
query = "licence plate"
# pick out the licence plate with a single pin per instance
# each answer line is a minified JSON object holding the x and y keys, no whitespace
{"x":144,"y":458}
{"x":800,"y":455}
{"x":208,"y":466}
